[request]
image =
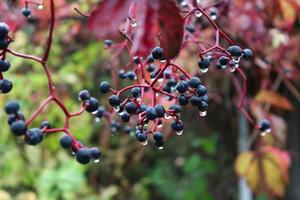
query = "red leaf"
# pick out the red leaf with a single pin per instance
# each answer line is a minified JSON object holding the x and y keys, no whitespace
{"x":106,"y":19}
{"x":171,"y":28}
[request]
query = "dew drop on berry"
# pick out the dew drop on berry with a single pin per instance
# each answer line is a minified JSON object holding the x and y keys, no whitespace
{"x":159,"y":126}
{"x":97,"y":119}
{"x":94,"y":112}
{"x":179,"y":133}
{"x":163,"y":60}
{"x":97,"y":161}
{"x":161,"y":148}
{"x":117,"y":108}
{"x":203,"y":113}
{"x":73,"y":153}
{"x":198,"y":13}
{"x":198,"y":2}
{"x":266,"y":132}
{"x":167,"y":116}
{"x":183,"y":3}
{"x":236,"y":59}
{"x":144,"y":143}
{"x":232,"y":68}
{"x":204,"y":70}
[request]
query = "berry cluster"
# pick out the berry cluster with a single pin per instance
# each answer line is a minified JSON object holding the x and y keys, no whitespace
{"x":5,"y":84}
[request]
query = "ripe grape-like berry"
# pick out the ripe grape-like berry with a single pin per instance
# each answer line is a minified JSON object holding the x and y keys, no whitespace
{"x":122,"y":74}
{"x":114,"y":100}
{"x":83,"y":155}
{"x":107,"y":43}
{"x":158,"y":136}
{"x":177,"y":125}
{"x":136,"y":92}
{"x":175,"y":108}
{"x":130,"y":75}
{"x":203,"y":106}
{"x":5,"y":86}
{"x":265,"y":125}
{"x":142,"y":108}
{"x":157,"y":53}
{"x":141,"y":136}
{"x":195,"y":100}
{"x":18,"y":128}
{"x":66,"y":141}
{"x":204,"y":63}
{"x":26,"y":12}
{"x":136,"y":60}
{"x":201,"y":90}
{"x":247,"y":54}
{"x":151,"y":68}
{"x":12,"y":118}
{"x":223,"y":60}
{"x":100,"y":112}
{"x":45,"y":125}
{"x":171,"y":83}
{"x":91,"y":105}
{"x":194,"y":82}
{"x":183,"y":100}
{"x":4,"y":29}
{"x":182,"y":86}
{"x":160,"y":110}
{"x":235,"y":51}
{"x":150,"y":59}
{"x":125,"y":117}
{"x":4,"y":65}
{"x":4,"y":43}
{"x":205,"y":98}
{"x":95,"y":153}
{"x":151,"y":113}
{"x":12,"y":107}
{"x":115,"y":126}
{"x":34,"y":136}
{"x":104,"y":87}
{"x":131,"y":107}
{"x":84,"y":95}
{"x":127,"y":129}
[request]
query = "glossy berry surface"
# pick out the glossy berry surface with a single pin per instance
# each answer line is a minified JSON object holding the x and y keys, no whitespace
{"x":265,"y":125}
{"x":34,"y":136}
{"x":235,"y":51}
{"x":26,"y":12}
{"x":4,"y":29}
{"x":5,"y":86}
{"x":18,"y":128}
{"x":92,"y":105}
{"x":157,"y":53}
{"x":84,"y":95}
{"x":114,"y":100}
{"x":177,"y":125}
{"x":83,"y":155}
{"x":104,"y":87}
{"x":66,"y":141}
{"x":12,"y":107}
{"x":4,"y":65}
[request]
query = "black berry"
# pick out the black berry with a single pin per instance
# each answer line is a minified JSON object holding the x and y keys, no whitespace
{"x":84,"y":95}
{"x":34,"y":136}
{"x":4,"y":65}
{"x":83,"y":156}
{"x":66,"y":141}
{"x":5,"y":86}
{"x":18,"y":128}
{"x":104,"y":87}
{"x":157,"y":53}
{"x":12,"y":107}
{"x":114,"y":100}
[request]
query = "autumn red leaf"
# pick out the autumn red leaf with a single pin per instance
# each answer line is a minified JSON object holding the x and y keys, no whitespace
{"x":106,"y":19}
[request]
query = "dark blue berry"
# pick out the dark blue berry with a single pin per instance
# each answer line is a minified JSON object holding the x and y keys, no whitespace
{"x":235,"y":51}
{"x":34,"y":136}
{"x":131,"y":75}
{"x":204,"y":63}
{"x":183,"y":100}
{"x":182,"y":86}
{"x":177,"y":125}
{"x":223,"y":60}
{"x":195,"y":100}
{"x":83,"y":155}
{"x":247,"y":54}
{"x":131,"y":107}
{"x":66,"y":141}
{"x":115,"y":126}
{"x":95,"y":153}
{"x":114,"y":100}
{"x":142,"y":108}
{"x":194,"y":82}
{"x":100,"y":112}
{"x":4,"y":43}
{"x":84,"y":95}
{"x":45,"y":124}
{"x":107,"y":43}
{"x":104,"y":87}
{"x":151,"y":113}
{"x":122,"y":74}
{"x":136,"y":60}
{"x":203,"y":106}
{"x":171,"y":83}
{"x":150,"y":59}
{"x":160,"y":110}
{"x":127,"y":129}
{"x":91,"y":105}
{"x":4,"y":29}
{"x":5,"y":86}
{"x":201,"y":90}
{"x":136,"y":92}
{"x":18,"y":128}
{"x":205,"y":98}
{"x":26,"y":12}
{"x":125,"y":117}
{"x":265,"y":125}
{"x":151,"y":68}
{"x":158,"y":136}
{"x":141,"y":136}
{"x":157,"y":53}
{"x":176,"y":108}
{"x":12,"y":107}
{"x":4,"y":65}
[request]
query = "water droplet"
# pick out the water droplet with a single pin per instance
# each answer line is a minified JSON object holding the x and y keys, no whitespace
{"x":97,"y":119}
{"x":144,"y":143}
{"x":117,"y":108}
{"x":159,"y":125}
{"x":213,"y":16}
{"x":94,"y":112}
{"x":203,"y":113}
{"x":40,"y":6}
{"x":160,"y":80}
{"x":179,"y":132}
{"x":198,"y":1}
{"x":163,"y":60}
{"x":236,"y":59}
{"x":73,"y":153}
{"x":122,"y":113}
{"x":266,"y":132}
{"x":139,"y":99}
{"x":183,"y":3}
{"x":97,"y":161}
{"x":224,"y":66}
{"x":167,"y":116}
{"x":133,"y":22}
{"x":236,"y":65}
{"x":204,"y":70}
{"x":232,"y":68}
{"x":161,"y":147}
{"x":198,"y":13}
